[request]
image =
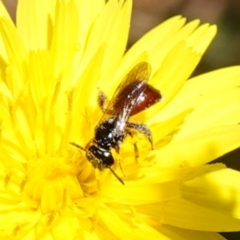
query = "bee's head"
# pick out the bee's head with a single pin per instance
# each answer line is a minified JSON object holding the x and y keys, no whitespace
{"x":99,"y":158}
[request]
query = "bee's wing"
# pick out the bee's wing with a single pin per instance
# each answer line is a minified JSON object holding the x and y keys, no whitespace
{"x":126,"y":95}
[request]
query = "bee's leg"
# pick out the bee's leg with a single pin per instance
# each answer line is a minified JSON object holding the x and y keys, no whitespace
{"x":102,"y":101}
{"x":136,"y":152}
{"x":117,"y":149}
{"x":142,"y":129}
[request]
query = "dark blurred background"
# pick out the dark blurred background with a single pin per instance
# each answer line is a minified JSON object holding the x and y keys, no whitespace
{"x":224,"y":50}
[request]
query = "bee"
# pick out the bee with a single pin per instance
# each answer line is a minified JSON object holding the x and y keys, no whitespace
{"x":133,"y":95}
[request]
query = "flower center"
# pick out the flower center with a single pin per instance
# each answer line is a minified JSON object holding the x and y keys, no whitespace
{"x":56,"y":182}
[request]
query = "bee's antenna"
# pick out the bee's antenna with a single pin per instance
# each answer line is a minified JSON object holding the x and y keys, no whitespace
{"x":78,"y":146}
{"x":118,"y":178}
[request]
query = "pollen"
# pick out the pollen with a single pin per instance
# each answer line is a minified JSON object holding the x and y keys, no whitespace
{"x":52,"y":182}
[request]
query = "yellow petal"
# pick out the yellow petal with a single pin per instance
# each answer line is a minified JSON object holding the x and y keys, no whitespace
{"x":110,"y":225}
{"x":35,"y":33}
{"x":199,"y":148}
{"x":186,"y":234}
{"x":162,"y":34}
{"x":64,"y":40}
{"x":163,"y":38}
{"x":87,"y":13}
{"x":3,"y":14}
{"x":159,"y":174}
{"x":144,"y":232}
{"x":172,"y":74}
{"x":67,"y":227}
{"x":15,"y":55}
{"x":114,"y":17}
{"x":184,"y":214}
{"x":217,"y":190}
{"x":164,"y":131}
{"x":18,"y":223}
{"x":206,"y":93}
{"x":40,"y":63}
{"x":133,"y":193}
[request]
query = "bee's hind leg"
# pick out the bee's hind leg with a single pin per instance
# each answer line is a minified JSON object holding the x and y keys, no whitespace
{"x":142,"y":128}
{"x":117,"y":149}
{"x":136,"y":151}
{"x":102,"y":100}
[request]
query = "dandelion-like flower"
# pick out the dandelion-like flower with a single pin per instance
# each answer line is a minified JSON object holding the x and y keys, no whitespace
{"x":52,"y":69}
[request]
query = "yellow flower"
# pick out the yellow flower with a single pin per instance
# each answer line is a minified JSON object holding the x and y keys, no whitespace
{"x":53,"y":64}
